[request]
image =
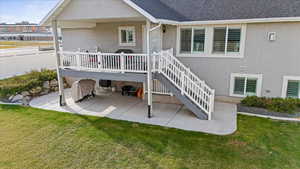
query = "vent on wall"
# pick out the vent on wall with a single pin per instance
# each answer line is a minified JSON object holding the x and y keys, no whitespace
{"x":272,"y":36}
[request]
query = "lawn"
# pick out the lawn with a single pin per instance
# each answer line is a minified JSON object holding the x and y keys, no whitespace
{"x":17,"y":44}
{"x":34,"y":138}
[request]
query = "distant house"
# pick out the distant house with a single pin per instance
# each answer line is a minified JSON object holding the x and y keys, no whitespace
{"x":25,"y":32}
{"x":196,"y":48}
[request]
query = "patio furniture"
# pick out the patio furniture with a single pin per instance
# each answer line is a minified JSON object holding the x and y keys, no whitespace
{"x":129,"y":91}
{"x":83,"y":89}
{"x":124,"y":51}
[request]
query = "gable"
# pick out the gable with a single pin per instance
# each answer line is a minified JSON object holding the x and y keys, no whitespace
{"x":97,"y":9}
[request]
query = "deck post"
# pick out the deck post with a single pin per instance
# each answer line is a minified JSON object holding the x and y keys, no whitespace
{"x":62,"y":99}
{"x":122,"y":62}
{"x":149,"y":71}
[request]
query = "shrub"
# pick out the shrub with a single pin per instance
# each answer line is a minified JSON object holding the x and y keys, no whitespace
{"x":26,"y":82}
{"x":288,"y":105}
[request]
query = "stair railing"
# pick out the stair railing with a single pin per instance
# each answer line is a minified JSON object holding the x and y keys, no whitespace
{"x":185,"y":80}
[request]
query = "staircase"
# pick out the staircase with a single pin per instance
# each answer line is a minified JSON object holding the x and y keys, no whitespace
{"x":184,"y":84}
{"x":175,"y":76}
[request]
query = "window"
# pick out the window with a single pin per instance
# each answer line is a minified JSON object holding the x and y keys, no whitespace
{"x":291,"y":87}
{"x":216,"y":41}
{"x":127,"y":36}
{"x":245,"y":85}
{"x":226,"y":40}
{"x":192,"y":40}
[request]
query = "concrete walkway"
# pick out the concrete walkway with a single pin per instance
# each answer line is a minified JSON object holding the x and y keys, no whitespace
{"x":115,"y":106}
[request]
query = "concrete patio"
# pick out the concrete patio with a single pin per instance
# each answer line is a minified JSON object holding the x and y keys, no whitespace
{"x":115,"y":106}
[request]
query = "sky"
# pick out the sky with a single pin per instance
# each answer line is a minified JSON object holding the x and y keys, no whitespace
{"x":12,"y":11}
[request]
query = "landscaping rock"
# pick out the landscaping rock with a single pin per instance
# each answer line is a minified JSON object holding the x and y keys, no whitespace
{"x":45,"y":91}
{"x":36,"y":91}
{"x":53,"y":83}
{"x":66,"y":85}
{"x":26,"y":100}
{"x":46,"y":85}
{"x":11,"y":97}
{"x":16,"y":98}
{"x":25,"y":93}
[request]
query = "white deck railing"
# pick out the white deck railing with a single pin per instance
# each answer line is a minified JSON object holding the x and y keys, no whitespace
{"x":158,"y":88}
{"x":104,"y":62}
{"x":164,"y":62}
{"x":185,"y":80}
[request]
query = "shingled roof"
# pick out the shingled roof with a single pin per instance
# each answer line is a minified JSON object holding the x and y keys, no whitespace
{"x":207,"y":10}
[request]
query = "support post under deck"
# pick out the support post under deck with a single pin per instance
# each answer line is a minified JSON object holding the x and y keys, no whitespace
{"x":149,"y":71}
{"x":62,"y":99}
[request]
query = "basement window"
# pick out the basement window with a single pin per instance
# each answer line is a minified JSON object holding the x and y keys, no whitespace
{"x":242,"y":85}
{"x":291,"y":87}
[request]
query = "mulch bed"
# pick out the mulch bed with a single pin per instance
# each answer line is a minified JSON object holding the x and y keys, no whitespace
{"x":262,"y":111}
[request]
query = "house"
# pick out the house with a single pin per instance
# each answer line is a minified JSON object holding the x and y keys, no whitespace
{"x":24,"y":31}
{"x":196,"y":49}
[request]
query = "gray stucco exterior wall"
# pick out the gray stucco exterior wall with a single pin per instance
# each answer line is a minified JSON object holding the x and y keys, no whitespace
{"x":271,"y":59}
{"x":104,"y":9}
{"x":104,"y":35}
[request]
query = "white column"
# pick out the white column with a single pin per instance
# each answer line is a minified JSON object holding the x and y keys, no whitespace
{"x":62,"y":99}
{"x":149,"y":72}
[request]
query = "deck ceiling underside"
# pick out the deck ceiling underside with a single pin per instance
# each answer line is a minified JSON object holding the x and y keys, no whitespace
{"x":130,"y":77}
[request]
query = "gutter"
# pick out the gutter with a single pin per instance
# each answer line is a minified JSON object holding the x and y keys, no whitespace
{"x":233,"y":21}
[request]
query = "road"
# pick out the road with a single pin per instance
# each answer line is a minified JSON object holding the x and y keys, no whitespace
{"x":19,"y":61}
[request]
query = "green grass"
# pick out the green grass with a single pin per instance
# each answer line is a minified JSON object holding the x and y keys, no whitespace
{"x":34,"y":138}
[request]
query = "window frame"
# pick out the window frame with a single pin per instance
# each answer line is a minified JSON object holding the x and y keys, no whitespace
{"x":285,"y":85}
{"x":259,"y":78}
{"x":208,"y":46}
{"x":127,"y":43}
{"x":226,"y":53}
{"x":193,"y":28}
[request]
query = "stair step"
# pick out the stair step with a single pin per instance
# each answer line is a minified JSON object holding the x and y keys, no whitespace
{"x":182,"y":98}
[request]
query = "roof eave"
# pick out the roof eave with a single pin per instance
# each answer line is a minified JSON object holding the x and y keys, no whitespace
{"x":53,"y":13}
{"x":233,"y":21}
{"x":141,"y":11}
{"x":62,"y":3}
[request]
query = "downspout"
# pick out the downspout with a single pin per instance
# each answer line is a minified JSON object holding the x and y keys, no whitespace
{"x":149,"y":64}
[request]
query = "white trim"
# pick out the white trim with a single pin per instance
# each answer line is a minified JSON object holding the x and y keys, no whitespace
{"x":285,"y":83}
{"x":208,"y":45}
{"x":258,"y":83}
{"x":141,"y":11}
{"x":192,"y":40}
{"x":127,"y":28}
{"x":62,"y":3}
{"x":52,"y":14}
{"x":232,"y":21}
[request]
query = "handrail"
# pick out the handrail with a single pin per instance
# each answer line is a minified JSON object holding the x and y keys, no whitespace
{"x":185,"y":80}
{"x":163,"y":62}
{"x":104,"y":62}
